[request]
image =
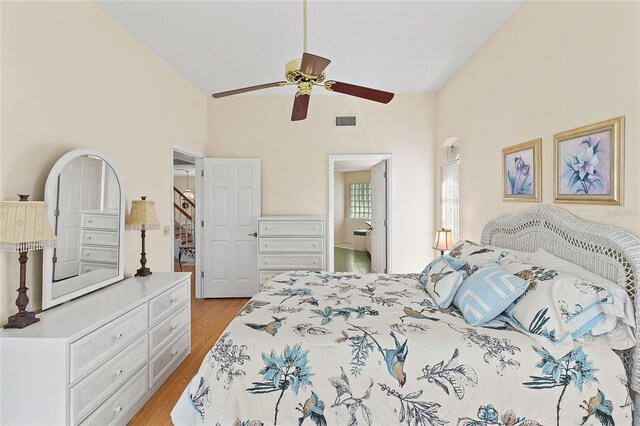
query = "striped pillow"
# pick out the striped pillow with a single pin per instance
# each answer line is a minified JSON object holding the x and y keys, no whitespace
{"x":487,"y":293}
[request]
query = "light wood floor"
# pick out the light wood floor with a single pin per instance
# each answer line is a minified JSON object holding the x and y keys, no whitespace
{"x":209,"y":318}
{"x":346,"y":260}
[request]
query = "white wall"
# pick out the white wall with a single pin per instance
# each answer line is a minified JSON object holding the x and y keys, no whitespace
{"x":552,"y":66}
{"x":339,"y":207}
{"x":72,"y":77}
{"x":295,"y":159}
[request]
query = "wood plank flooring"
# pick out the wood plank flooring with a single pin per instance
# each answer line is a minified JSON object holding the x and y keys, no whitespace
{"x":209,"y":318}
{"x":346,"y":260}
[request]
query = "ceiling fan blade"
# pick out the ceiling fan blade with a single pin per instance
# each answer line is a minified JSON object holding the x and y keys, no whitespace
{"x":300,"y":107}
{"x":359,"y":91}
{"x":313,"y":65}
{"x":249,"y":89}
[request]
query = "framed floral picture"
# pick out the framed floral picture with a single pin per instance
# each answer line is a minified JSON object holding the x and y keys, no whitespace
{"x":521,"y":170}
{"x":587,"y":163}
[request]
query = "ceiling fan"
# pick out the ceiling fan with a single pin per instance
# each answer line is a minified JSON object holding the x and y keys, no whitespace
{"x":307,"y":72}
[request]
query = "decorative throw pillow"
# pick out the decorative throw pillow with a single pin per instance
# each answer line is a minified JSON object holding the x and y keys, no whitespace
{"x":487,"y":293}
{"x":614,"y":333}
{"x":558,"y":308}
{"x":475,"y":255}
{"x":442,"y":279}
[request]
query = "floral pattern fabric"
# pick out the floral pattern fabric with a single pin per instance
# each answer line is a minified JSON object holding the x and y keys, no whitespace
{"x":373,"y":349}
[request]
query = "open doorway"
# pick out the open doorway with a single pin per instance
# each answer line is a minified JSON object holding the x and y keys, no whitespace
{"x":184,"y":249}
{"x":359,"y":223}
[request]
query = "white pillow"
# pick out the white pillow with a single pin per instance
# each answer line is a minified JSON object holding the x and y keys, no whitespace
{"x":521,"y":256}
{"x":475,"y":255}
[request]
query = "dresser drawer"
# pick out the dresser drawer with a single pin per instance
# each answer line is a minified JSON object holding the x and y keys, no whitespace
{"x":291,"y":261}
{"x":291,"y":228}
{"x":168,"y":356}
{"x":264,"y":276}
{"x":100,"y":238}
{"x":99,"y":254}
{"x":93,"y":349}
{"x":93,"y":389}
{"x":114,"y":408}
{"x":99,"y":221}
{"x":168,"y":329}
{"x":90,"y":267}
{"x":298,"y":245}
{"x":162,"y":305}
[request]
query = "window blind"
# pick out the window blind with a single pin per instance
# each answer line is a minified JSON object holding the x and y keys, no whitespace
{"x":449,"y":198}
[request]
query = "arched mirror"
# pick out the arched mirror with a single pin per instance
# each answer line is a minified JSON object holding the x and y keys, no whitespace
{"x":85,"y":205}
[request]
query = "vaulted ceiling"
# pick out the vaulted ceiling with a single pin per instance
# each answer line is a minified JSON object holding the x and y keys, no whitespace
{"x":398,"y":46}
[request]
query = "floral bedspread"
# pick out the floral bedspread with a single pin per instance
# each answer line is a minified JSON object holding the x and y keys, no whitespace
{"x":372,"y":349}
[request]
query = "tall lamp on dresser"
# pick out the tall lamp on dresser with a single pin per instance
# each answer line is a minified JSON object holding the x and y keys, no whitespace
{"x":24,"y":227}
{"x":142,"y":217}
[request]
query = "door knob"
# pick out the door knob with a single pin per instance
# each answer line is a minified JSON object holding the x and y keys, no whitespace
{"x":255,"y":234}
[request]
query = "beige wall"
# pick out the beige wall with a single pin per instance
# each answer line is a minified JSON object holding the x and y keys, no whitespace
{"x":71,"y":78}
{"x":339,"y":206}
{"x":295,"y":163}
{"x":552,"y":66}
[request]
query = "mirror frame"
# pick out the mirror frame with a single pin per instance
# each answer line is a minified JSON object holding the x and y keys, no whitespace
{"x":50,"y":195}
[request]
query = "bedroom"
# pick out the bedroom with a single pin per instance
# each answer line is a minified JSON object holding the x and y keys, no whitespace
{"x":73,"y":77}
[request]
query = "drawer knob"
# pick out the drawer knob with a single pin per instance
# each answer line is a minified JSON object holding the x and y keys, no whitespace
{"x":119,"y":335}
{"x":315,"y":261}
{"x":174,"y":299}
{"x":87,"y":269}
{"x":89,"y":220}
{"x":315,"y":245}
{"x":174,"y":352}
{"x":266,"y":261}
{"x":174,"y":326}
{"x":266,"y":227}
{"x":88,"y":237}
{"x":86,"y":253}
{"x":315,"y":228}
{"x":118,"y":408}
{"x":118,"y":371}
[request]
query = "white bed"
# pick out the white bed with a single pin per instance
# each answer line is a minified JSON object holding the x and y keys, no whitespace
{"x":372,"y":349}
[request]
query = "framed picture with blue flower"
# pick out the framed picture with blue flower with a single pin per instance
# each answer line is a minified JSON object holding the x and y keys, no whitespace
{"x":588,"y":163}
{"x":522,"y":171}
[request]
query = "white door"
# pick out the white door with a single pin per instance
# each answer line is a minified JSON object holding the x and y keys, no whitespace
{"x":79,"y":190}
{"x":230,"y":207}
{"x":379,"y":217}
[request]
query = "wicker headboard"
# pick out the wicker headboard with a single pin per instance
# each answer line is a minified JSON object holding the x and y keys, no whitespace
{"x":607,"y":251}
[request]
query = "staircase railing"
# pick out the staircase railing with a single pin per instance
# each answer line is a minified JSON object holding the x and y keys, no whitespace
{"x":184,"y":217}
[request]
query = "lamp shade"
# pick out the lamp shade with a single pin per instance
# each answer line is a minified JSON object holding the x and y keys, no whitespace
{"x":24,"y":226}
{"x":443,"y":240}
{"x":142,"y":215}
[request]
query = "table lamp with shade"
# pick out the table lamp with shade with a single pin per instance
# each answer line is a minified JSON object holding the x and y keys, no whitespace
{"x":443,"y":240}
{"x":23,"y":227}
{"x":142,"y":217}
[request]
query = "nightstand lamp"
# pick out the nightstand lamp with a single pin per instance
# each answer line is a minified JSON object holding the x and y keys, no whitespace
{"x":142,"y":217}
{"x":443,"y":240}
{"x":23,"y":227}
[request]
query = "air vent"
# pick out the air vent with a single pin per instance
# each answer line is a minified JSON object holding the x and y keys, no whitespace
{"x":345,"y":120}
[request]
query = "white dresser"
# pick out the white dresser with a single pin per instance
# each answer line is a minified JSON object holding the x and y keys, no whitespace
{"x":287,"y":243}
{"x":99,"y":241}
{"x":97,"y":359}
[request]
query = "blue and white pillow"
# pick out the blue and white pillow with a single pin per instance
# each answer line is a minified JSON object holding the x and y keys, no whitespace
{"x":442,"y":279}
{"x":487,"y":293}
{"x":558,"y":308}
{"x":475,"y":255}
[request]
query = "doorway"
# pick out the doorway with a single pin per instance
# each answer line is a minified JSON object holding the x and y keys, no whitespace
{"x":359,"y":229}
{"x":185,"y":242}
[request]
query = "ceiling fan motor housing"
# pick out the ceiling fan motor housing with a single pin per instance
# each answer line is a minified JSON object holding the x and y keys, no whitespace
{"x":293,"y":74}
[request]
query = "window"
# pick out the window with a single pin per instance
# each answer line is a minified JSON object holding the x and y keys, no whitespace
{"x":360,"y":200}
{"x":449,"y":190}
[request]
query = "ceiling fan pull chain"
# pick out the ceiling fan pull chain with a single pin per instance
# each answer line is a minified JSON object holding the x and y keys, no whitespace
{"x":304,"y":15}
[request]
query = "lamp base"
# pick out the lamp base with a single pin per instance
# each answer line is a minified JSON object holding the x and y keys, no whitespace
{"x":143,"y":272}
{"x":21,"y":320}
